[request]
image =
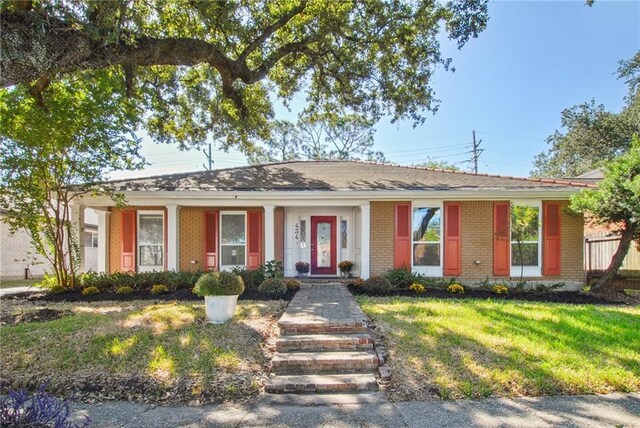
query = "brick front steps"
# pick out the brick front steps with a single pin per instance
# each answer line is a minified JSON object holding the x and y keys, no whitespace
{"x":324,"y":342}
{"x":324,"y":362}
{"x":324,"y":345}
{"x":323,"y":383}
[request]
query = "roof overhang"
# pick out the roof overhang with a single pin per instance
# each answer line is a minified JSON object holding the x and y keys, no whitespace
{"x":338,"y":197}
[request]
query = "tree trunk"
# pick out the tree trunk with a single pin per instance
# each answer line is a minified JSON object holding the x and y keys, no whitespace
{"x":616,"y":261}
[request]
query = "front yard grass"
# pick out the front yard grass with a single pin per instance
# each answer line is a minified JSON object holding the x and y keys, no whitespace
{"x":481,"y":348}
{"x":139,"y":351}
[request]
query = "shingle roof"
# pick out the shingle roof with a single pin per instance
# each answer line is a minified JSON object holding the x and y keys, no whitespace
{"x":333,"y":176}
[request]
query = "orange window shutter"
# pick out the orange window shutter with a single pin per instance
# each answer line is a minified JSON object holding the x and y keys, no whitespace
{"x":128,"y":240}
{"x":452,"y":239}
{"x":254,"y":251}
{"x":501,"y":239}
{"x":402,"y":251}
{"x":211,"y":240}
{"x":551,"y":238}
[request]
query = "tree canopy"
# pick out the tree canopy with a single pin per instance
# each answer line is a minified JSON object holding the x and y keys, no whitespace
{"x":327,"y":136}
{"x":616,"y":202}
{"x":203,"y":69}
{"x":49,"y":156}
{"x":593,"y":135}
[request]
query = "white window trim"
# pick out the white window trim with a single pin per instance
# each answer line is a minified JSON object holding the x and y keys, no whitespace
{"x":431,"y":271}
{"x":527,"y":271}
{"x":150,"y":268}
{"x":229,"y":267}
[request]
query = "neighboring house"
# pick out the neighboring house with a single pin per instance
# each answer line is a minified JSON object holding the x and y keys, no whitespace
{"x":437,"y":223}
{"x":17,"y":254}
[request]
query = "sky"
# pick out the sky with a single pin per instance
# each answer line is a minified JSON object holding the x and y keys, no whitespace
{"x":510,"y":85}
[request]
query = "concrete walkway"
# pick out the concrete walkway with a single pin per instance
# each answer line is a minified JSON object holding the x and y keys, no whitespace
{"x":372,"y":410}
{"x":17,"y":291}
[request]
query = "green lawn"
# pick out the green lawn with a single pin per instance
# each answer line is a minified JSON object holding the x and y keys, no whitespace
{"x":140,"y":350}
{"x":19,"y":283}
{"x":480,"y":348}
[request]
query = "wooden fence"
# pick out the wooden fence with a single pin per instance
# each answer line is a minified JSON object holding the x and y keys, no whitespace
{"x":598,"y":254}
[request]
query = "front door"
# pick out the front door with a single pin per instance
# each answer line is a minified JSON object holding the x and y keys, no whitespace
{"x":323,"y":245}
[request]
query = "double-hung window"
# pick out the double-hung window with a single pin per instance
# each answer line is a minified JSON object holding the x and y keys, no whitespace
{"x":150,"y":241}
{"x":233,"y":239}
{"x":427,"y":240}
{"x":525,"y":239}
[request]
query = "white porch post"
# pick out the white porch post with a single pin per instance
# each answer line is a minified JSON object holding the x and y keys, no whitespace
{"x":172,"y":237}
{"x":365,"y":214}
{"x":103,"y":240}
{"x":77,"y":219}
{"x":269,"y":233}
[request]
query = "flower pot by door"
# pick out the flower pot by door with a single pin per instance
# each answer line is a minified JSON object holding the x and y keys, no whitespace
{"x":220,"y":309}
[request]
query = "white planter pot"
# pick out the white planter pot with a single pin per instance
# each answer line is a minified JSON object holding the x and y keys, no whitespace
{"x":220,"y":309}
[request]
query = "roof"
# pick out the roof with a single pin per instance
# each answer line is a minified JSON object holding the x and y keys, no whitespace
{"x":334,"y":175}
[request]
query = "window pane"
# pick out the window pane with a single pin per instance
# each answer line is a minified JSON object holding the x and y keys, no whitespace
{"x":343,"y":234}
{"x":94,"y":240}
{"x":426,"y":254}
{"x":88,"y":242}
{"x":303,"y":231}
{"x":527,"y":252}
{"x":233,"y":255}
{"x":323,"y":244}
{"x":524,"y":223}
{"x":232,"y":229}
{"x":151,"y":255}
{"x":150,"y":229}
{"x":426,"y":224}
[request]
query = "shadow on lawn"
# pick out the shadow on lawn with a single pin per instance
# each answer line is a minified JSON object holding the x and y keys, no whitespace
{"x":523,"y":356}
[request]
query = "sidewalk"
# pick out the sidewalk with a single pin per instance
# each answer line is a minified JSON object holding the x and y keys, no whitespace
{"x":372,"y":410}
{"x":16,"y":291}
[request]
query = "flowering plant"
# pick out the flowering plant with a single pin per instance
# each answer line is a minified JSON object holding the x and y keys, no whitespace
{"x":345,"y":266}
{"x":302,"y":267}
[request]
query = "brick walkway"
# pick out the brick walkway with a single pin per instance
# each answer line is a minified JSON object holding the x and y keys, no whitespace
{"x":324,"y":345}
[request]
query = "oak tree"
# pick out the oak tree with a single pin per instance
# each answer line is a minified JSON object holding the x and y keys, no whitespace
{"x":202,"y":69}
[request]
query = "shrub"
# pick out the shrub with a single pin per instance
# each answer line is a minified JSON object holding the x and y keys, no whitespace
{"x":250,"y":278}
{"x":455,"y":289}
{"x":273,"y":287}
{"x":500,"y":289}
{"x":418,"y":288}
{"x":90,"y":290}
{"x":21,"y":409}
{"x":159,"y":289}
{"x":378,"y":285}
{"x":124,"y":290}
{"x":293,"y":285}
{"x":51,"y":284}
{"x":358,"y":283}
{"x":400,"y":278}
{"x":219,"y":284}
{"x":272,"y":269}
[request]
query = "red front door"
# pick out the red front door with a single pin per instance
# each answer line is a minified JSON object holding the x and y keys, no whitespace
{"x":323,"y":245}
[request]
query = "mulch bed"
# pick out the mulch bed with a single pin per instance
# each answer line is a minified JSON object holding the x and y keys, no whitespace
{"x":180,"y":295}
{"x":576,"y":297}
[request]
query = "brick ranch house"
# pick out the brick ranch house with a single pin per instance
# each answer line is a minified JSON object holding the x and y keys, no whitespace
{"x":437,"y":223}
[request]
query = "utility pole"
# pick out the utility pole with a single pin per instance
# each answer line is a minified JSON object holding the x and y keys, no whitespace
{"x":209,"y":158}
{"x":476,"y":152}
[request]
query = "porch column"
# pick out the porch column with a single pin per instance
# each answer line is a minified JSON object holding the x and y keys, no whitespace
{"x":269,"y":233}
{"x":103,"y":240}
{"x":365,"y":214}
{"x":77,"y":220}
{"x":173,"y":243}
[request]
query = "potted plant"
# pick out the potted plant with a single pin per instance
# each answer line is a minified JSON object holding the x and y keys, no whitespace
{"x":302,"y":268}
{"x":220,"y":291}
{"x":345,"y":267}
